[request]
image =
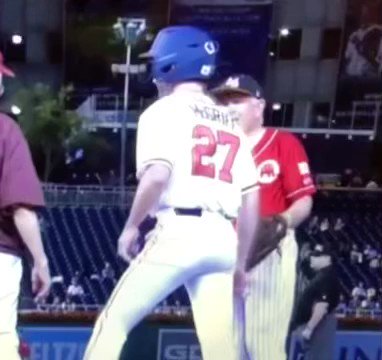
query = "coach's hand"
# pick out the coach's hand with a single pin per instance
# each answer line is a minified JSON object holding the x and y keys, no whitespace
{"x":127,"y":243}
{"x":41,"y":280}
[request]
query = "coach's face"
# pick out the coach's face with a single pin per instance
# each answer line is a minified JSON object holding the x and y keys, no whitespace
{"x":250,"y":110}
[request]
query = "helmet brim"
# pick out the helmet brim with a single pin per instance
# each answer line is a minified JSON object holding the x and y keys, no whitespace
{"x":146,"y":55}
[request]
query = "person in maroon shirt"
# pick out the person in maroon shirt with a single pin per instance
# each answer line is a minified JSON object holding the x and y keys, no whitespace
{"x":286,"y":189}
{"x":20,"y":195}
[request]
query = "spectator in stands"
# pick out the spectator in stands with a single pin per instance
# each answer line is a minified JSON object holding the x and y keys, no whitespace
{"x":324,"y":226}
{"x":354,"y":303}
{"x":56,"y":304}
{"x":370,"y":253}
{"x":371,"y":293}
{"x":68,"y":305}
{"x":165,"y":308}
{"x":75,"y":291}
{"x":367,"y":304}
{"x":339,"y":224}
{"x":356,"y":256}
{"x":375,"y":263}
{"x":377,"y":305}
{"x":112,"y":179}
{"x":359,"y":291}
{"x":179,"y":309}
{"x":313,"y":226}
{"x":372,"y":185}
{"x":342,"y":306}
{"x":346,"y":177}
{"x":108,"y":273}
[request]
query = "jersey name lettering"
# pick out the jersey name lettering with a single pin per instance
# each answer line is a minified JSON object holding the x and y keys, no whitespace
{"x":213,"y":114}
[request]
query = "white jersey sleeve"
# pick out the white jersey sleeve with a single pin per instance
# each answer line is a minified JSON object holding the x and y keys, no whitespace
{"x":156,"y":143}
{"x":246,"y":168}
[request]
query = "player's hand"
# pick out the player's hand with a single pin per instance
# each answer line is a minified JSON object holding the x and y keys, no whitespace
{"x":127,"y":243}
{"x":306,"y":333}
{"x":41,"y":280}
{"x":240,"y":283}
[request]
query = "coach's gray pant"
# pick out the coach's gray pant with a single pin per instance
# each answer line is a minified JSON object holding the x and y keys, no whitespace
{"x":323,"y":342}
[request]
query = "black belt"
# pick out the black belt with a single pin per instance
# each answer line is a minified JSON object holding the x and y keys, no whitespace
{"x":189,"y":212}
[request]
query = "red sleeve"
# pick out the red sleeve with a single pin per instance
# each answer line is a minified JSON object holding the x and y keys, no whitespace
{"x":296,"y":176}
{"x":19,"y":183}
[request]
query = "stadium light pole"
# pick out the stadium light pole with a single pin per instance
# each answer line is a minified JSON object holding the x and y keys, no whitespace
{"x":124,"y":119}
{"x":128,"y":30}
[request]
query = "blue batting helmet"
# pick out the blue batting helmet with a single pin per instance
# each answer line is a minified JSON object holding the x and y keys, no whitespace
{"x":181,"y":53}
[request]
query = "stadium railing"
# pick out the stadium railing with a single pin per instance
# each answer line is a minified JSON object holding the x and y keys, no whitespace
{"x":87,"y":195}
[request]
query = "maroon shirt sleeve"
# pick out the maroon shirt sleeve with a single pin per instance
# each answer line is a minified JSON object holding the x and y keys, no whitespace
{"x":19,"y":184}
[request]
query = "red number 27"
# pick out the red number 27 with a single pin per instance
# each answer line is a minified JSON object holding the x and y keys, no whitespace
{"x":207,"y":168}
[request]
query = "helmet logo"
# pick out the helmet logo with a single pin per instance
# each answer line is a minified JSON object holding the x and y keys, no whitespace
{"x":206,"y":70}
{"x":233,"y":82}
{"x":210,"y":47}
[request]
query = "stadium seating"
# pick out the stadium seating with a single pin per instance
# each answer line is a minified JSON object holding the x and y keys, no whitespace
{"x":83,"y":238}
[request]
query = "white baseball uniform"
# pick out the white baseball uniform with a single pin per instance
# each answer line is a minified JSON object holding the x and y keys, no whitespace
{"x":211,"y":167}
{"x":284,"y":177}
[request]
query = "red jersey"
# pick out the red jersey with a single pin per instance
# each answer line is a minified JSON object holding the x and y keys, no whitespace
{"x":283,"y":171}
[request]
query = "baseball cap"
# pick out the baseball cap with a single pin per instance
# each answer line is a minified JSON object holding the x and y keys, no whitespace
{"x":4,"y":70}
{"x":239,"y":84}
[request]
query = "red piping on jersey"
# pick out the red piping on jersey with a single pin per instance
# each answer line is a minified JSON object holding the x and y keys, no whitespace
{"x":299,"y":190}
{"x":264,"y":142}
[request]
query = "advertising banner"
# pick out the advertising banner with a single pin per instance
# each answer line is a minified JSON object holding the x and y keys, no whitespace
{"x":155,"y":342}
{"x":359,"y":88}
{"x":242,"y":31}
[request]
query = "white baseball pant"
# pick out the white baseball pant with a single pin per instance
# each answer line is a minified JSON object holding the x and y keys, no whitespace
{"x":10,"y":272}
{"x":199,"y":252}
{"x":269,"y":304}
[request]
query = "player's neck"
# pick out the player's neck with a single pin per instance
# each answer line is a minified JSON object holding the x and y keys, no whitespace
{"x":255,"y":131}
{"x":188,"y":87}
{"x":255,"y":135}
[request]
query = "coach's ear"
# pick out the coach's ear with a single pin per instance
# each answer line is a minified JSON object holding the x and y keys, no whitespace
{"x":262,"y":104}
{"x":258,"y":107}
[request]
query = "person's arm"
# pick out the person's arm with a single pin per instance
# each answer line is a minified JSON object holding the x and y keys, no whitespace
{"x":150,"y":188}
{"x":298,"y":211}
{"x":247,"y":224}
{"x":320,"y":309}
{"x":297,"y":180}
{"x":20,"y":193}
{"x":153,"y":181}
{"x":27,"y":224}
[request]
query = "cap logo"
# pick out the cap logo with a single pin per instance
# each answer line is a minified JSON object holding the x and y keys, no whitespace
{"x":233,"y":82}
{"x":210,"y":47}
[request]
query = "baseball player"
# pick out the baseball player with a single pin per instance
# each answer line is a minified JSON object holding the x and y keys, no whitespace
{"x":195,"y":171}
{"x":20,"y":194}
{"x":286,"y":190}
